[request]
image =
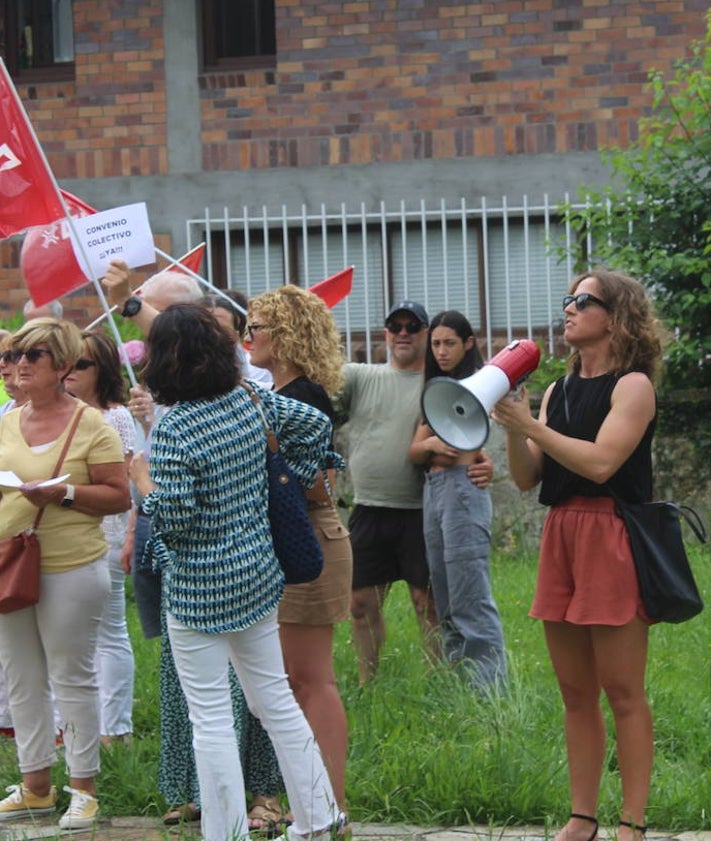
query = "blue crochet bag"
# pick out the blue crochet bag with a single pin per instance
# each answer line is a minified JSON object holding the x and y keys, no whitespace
{"x":295,"y":543}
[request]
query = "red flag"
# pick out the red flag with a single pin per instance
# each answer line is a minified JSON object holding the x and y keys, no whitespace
{"x":192,"y":260}
{"x":28,"y":192}
{"x":47,"y":259}
{"x":334,"y":288}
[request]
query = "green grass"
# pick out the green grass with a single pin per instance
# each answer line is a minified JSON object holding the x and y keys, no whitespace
{"x":425,"y":750}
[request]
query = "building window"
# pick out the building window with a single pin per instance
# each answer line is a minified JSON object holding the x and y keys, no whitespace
{"x":239,"y":33}
{"x":37,"y":39}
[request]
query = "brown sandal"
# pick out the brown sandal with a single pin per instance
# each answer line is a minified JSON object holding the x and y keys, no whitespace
{"x":185,"y":813}
{"x":266,"y":816}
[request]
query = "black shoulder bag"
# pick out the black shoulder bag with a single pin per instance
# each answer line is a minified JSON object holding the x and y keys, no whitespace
{"x":295,"y":543}
{"x":666,"y":582}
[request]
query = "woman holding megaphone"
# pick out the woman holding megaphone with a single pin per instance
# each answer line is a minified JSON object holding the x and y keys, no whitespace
{"x":593,"y":436}
{"x":457,"y":522}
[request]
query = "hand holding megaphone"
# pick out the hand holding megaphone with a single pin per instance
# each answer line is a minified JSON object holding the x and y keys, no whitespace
{"x":513,"y":411}
{"x":458,"y":410}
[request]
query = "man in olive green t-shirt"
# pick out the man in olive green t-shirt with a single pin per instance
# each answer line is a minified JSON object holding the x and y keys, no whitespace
{"x":382,"y":403}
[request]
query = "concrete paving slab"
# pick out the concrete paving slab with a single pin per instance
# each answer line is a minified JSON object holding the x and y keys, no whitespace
{"x":151,"y":829}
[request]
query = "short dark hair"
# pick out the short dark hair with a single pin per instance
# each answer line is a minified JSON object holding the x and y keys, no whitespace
{"x":239,"y":319}
{"x":471,"y":361}
{"x":110,"y":384}
{"x":189,"y":356}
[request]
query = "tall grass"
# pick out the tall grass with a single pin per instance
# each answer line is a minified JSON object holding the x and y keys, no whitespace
{"x":423,"y":749}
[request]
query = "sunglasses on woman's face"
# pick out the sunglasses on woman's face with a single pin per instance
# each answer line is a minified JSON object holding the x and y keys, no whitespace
{"x":582,"y":300}
{"x":83,"y":364}
{"x":31,"y":355}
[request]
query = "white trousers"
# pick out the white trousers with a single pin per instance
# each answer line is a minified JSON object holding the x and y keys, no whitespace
{"x":202,"y":664}
{"x":52,"y":645}
{"x":114,"y":654}
{"x":5,"y":717}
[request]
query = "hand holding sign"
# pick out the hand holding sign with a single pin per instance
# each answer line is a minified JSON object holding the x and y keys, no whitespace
{"x":116,"y":283}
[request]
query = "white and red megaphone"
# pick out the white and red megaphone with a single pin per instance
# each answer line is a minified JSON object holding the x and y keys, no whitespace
{"x":458,"y":410}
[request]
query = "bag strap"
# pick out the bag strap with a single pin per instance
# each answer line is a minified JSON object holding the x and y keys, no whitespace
{"x":566,"y":407}
{"x":60,"y":460}
{"x":272,"y":440}
{"x":694,"y":521}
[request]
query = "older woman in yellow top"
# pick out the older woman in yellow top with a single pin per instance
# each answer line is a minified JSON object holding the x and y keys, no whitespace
{"x":52,"y":644}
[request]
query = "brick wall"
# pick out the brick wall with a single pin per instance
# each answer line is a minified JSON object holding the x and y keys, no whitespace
{"x":110,"y":121}
{"x":373,"y":80}
{"x":393,"y":80}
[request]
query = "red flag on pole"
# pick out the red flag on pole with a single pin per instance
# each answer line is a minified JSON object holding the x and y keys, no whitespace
{"x":28,"y":192}
{"x":334,"y":288}
{"x":47,"y":259}
{"x":192,"y":260}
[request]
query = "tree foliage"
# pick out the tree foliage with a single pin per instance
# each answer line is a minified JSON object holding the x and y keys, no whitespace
{"x":653,"y":220}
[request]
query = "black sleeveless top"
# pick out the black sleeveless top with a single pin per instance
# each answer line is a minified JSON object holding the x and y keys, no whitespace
{"x":307,"y":391}
{"x":588,"y":401}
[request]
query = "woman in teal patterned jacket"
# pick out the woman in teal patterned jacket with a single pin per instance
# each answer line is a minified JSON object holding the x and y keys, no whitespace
{"x":207,"y":497}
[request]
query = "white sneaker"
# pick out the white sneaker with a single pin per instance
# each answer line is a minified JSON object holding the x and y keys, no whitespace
{"x":339,"y":830}
{"x":82,"y":812}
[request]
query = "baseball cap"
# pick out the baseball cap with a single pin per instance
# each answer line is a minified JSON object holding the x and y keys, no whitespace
{"x":416,"y":309}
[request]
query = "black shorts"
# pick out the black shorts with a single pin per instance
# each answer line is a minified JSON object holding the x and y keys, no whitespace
{"x":388,"y":545}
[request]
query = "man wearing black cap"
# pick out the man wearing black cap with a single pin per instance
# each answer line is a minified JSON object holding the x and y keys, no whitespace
{"x":382,"y":403}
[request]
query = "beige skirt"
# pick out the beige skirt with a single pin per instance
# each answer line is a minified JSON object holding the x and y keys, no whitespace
{"x":327,"y":599}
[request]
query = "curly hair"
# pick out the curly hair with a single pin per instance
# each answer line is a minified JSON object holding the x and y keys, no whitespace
{"x":110,"y":384}
{"x":303,"y":333}
{"x":189,"y":356}
{"x":637,"y":335}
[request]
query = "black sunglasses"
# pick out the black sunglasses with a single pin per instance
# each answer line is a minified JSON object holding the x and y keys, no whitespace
{"x":253,"y":328}
{"x":83,"y":364}
{"x":7,"y":356}
{"x":582,"y":300}
{"x":31,"y":355}
{"x":396,"y":327}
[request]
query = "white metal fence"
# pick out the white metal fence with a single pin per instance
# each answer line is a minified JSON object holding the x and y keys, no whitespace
{"x":497,"y":263}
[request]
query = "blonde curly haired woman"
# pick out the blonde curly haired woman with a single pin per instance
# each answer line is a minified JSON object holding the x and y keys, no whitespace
{"x":293,"y":335}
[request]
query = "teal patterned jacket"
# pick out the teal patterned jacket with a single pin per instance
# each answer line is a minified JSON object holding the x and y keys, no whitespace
{"x":211,"y":534}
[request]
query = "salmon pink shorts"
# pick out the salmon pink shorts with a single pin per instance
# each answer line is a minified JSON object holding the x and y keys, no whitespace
{"x":586,"y":574}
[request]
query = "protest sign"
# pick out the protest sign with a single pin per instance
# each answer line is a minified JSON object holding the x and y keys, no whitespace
{"x":121,"y":233}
